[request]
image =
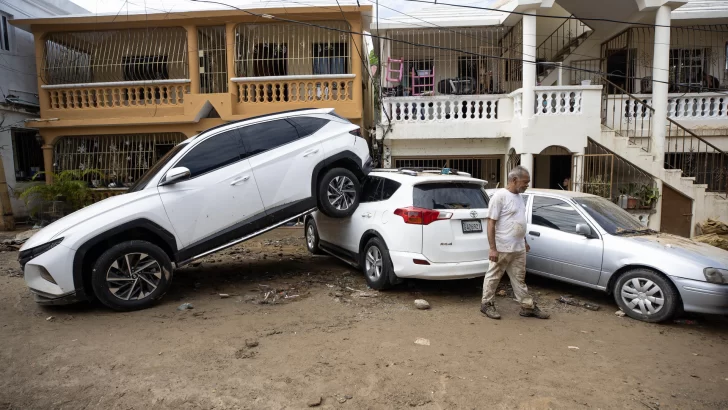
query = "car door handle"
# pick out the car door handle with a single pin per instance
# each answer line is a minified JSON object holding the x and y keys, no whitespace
{"x":310,"y":152}
{"x":534,"y":233}
{"x":239,"y":180}
{"x":366,"y":215}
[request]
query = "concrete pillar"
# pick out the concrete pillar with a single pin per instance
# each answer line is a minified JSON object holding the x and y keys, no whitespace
{"x":48,"y":162}
{"x":193,"y":59}
{"x":660,"y":76}
{"x":230,"y":52}
{"x":527,"y":162}
{"x":529,"y":66}
{"x":357,"y":63}
{"x":43,"y":97}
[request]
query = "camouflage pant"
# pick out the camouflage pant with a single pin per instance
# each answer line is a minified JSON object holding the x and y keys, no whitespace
{"x":515,"y":264}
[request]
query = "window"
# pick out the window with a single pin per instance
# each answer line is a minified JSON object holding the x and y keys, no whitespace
{"x":308,"y":125}
{"x":330,"y":58}
{"x":261,"y":137}
{"x":270,"y":59}
{"x":213,"y":153}
{"x":27,"y":154}
{"x":608,"y":215}
{"x":372,"y":189}
{"x":389,"y":188}
{"x":555,"y":214}
{"x":450,"y":196}
{"x":687,"y":67}
{"x":5,"y":32}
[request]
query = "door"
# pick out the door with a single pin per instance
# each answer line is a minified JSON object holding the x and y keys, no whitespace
{"x":556,"y":249}
{"x":460,"y":234}
{"x":677,"y":212}
{"x":283,"y":165}
{"x":219,"y":202}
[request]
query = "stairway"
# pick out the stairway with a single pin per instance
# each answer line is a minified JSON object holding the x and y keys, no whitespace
{"x":559,"y":45}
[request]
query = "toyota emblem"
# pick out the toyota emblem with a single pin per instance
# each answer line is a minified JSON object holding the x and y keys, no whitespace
{"x":474,"y":214}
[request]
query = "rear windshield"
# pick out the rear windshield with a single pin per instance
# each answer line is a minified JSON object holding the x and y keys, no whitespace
{"x":450,"y":196}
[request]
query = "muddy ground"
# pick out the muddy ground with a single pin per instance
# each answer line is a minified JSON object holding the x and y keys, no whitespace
{"x":335,"y":341}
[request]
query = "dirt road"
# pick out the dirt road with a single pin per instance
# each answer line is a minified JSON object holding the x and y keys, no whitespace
{"x":344,"y":348}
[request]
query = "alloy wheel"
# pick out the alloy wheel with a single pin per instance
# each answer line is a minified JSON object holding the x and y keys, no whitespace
{"x":643,"y":296}
{"x":341,"y":193}
{"x":310,"y":236}
{"x":133,"y":276}
{"x":374,"y":263}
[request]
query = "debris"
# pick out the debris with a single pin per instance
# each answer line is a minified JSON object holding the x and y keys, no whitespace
{"x":422,"y":304}
{"x":224,"y":296}
{"x":711,"y":226}
{"x":620,"y":313}
{"x":686,"y":322}
{"x":342,"y":400}
{"x":696,"y":354}
{"x":290,"y":296}
{"x":719,"y":241}
{"x":196,"y":264}
{"x":573,"y":348}
{"x":348,"y":397}
{"x":185,"y":306}
{"x":242,"y":354}
{"x":50,"y":318}
{"x":338,"y":294}
{"x":575,"y":302}
{"x":368,"y":294}
{"x":250,"y":343}
{"x":22,"y":237}
{"x":584,"y":331}
{"x":314,"y":402}
{"x":422,"y":342}
{"x":501,"y":293}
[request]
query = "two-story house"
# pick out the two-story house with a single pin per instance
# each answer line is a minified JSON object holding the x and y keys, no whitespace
{"x":116,"y":92}
{"x":628,"y":101}
{"x":20,"y":146}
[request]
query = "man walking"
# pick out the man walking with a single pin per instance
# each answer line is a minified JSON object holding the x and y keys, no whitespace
{"x":508,"y":246}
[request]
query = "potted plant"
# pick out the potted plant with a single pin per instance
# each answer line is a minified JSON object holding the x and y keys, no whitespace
{"x":648,"y":196}
{"x":68,"y":191}
{"x":598,"y":186}
{"x":628,"y":198}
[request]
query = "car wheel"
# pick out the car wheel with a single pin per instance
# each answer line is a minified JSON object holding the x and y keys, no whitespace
{"x":377,"y":265}
{"x":646,"y":295}
{"x":312,"y":237}
{"x":339,"y":193}
{"x":132,"y":275}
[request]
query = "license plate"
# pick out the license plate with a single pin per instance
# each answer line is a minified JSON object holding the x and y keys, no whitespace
{"x":472,"y":226}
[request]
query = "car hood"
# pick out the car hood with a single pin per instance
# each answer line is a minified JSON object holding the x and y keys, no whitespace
{"x":85,"y":215}
{"x":702,"y":253}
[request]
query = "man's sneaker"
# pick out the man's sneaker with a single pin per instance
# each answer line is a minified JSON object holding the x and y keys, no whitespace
{"x":489,"y":310}
{"x":535,"y":312}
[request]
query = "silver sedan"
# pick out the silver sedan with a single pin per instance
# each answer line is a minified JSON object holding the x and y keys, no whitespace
{"x":590,"y":241}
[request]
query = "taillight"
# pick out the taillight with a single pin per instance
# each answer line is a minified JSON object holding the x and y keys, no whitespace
{"x":421,"y":216}
{"x":356,"y":132}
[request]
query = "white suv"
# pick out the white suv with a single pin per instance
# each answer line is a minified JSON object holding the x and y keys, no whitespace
{"x":217,"y":189}
{"x":410,"y":224}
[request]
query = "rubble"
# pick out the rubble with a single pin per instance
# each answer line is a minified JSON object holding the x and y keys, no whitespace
{"x":620,"y":313}
{"x":185,"y":306}
{"x":422,"y":304}
{"x":575,"y":302}
{"x":315,"y":402}
{"x":250,"y":343}
{"x":422,"y":342}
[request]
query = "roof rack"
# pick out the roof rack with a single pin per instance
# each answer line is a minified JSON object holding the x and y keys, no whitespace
{"x":414,"y":170}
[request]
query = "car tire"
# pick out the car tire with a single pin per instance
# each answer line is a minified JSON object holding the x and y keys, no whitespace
{"x":312,"y":237}
{"x":376,"y":265}
{"x":639,"y":291}
{"x":117,"y":283}
{"x":339,"y":192}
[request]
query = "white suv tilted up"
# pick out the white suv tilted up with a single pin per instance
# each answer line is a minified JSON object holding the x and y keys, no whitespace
{"x":217,"y":189}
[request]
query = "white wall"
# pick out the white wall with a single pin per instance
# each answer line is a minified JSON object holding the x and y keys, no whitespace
{"x":18,"y":76}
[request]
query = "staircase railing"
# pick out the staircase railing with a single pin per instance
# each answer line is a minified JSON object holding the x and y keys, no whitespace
{"x":630,"y":116}
{"x":552,"y":49}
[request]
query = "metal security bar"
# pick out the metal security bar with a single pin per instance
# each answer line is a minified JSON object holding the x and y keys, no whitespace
{"x":601,"y":172}
{"x":514,"y":160}
{"x":563,"y":41}
{"x":627,"y":115}
{"x":512,"y":46}
{"x":120,"y":159}
{"x":434,"y":67}
{"x":696,"y":158}
{"x":213,"y":59}
{"x":589,"y":69}
{"x":149,"y":54}
{"x":486,"y":168}
{"x":697,"y":60}
{"x":266,"y":50}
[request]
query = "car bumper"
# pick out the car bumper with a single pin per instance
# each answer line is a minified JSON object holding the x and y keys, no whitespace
{"x":404,"y":267}
{"x":58,"y":264}
{"x":368,"y":165}
{"x":702,"y":297}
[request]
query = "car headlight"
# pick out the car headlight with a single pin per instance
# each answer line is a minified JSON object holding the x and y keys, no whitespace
{"x":32,"y":253}
{"x":715,"y":275}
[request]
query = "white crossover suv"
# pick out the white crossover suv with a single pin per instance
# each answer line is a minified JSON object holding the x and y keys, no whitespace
{"x":214,"y":190}
{"x":410,"y":224}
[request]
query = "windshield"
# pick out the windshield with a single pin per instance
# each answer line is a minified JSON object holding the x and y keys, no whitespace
{"x":612,"y":218}
{"x":450,"y":196}
{"x":144,"y":180}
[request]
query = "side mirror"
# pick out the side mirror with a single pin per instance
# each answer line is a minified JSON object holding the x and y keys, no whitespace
{"x":583,"y":230}
{"x":175,"y":175}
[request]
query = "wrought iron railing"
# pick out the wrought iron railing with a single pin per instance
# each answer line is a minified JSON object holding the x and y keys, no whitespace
{"x":557,"y":46}
{"x":627,"y":115}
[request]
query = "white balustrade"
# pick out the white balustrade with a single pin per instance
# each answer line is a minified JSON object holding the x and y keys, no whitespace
{"x":558,"y":101}
{"x":442,"y":108}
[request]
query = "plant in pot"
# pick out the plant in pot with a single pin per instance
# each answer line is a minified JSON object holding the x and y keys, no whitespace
{"x":597,"y":185}
{"x":648,"y":196}
{"x":68,"y":191}
{"x":627,"y":197}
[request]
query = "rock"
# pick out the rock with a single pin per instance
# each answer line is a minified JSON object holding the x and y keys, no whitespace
{"x":50,"y":318}
{"x":422,"y":304}
{"x":185,"y":306}
{"x":314,"y":402}
{"x":338,"y":294}
{"x":251,"y":343}
{"x":573,"y":348}
{"x":348,"y":397}
{"x":342,"y":400}
{"x":224,"y":296}
{"x":620,"y":313}
{"x":501,"y":293}
{"x":8,"y":242}
{"x":422,"y":342}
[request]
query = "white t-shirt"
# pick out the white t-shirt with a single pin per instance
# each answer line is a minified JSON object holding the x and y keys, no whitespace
{"x":509,"y":212}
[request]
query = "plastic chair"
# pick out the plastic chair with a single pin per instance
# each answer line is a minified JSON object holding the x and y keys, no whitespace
{"x":391,"y":70}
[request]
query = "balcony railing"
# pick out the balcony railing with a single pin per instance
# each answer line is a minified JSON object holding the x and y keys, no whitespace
{"x":295,"y":89}
{"x":444,"y":108}
{"x":117,"y":94}
{"x":555,"y":101}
